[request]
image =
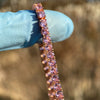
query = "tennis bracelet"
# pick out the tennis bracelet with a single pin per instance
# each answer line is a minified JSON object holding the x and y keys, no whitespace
{"x":55,"y":91}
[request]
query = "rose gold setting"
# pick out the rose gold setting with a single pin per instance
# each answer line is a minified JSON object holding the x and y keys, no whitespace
{"x":55,"y":91}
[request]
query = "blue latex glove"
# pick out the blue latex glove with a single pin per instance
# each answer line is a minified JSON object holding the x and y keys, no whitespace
{"x":21,"y":29}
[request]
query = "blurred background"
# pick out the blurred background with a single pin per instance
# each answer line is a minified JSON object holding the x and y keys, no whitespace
{"x":78,"y":58}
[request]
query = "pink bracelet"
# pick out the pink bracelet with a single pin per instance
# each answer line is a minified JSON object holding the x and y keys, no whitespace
{"x":55,"y":91}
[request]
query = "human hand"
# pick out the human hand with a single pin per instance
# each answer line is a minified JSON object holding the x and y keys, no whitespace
{"x":21,"y":29}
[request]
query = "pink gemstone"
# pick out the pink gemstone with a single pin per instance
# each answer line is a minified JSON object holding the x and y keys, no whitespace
{"x":54,"y":71}
{"x":50,"y":55}
{"x":41,"y":48}
{"x":51,"y":94}
{"x":39,"y":7}
{"x":57,"y":88}
{"x":45,"y":28}
{"x":55,"y":76}
{"x":48,"y":74}
{"x":56,"y":79}
{"x":48,"y":37}
{"x":46,"y":68}
{"x":50,"y":81}
{"x":44,"y":32}
{"x":45,"y":40}
{"x":52,"y":63}
{"x":54,"y":68}
{"x":43,"y":23}
{"x":53,"y":54}
{"x":41,"y":14}
{"x":60,"y":95}
{"x":49,"y":47}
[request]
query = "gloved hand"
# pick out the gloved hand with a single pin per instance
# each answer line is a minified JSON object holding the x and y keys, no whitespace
{"x":21,"y":29}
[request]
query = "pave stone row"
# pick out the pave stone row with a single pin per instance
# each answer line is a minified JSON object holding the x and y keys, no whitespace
{"x":55,"y":91}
